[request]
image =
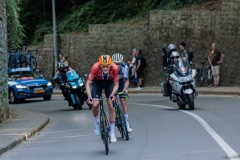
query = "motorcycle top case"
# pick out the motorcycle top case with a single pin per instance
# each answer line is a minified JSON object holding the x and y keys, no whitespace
{"x":164,"y":89}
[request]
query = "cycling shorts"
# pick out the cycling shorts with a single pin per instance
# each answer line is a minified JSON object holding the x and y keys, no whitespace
{"x":99,"y":85}
{"x":121,"y":87}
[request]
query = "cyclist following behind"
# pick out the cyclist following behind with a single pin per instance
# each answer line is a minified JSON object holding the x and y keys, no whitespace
{"x":123,"y":84}
{"x":103,"y":75}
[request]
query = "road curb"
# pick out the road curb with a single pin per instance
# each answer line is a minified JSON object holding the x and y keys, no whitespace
{"x":24,"y":137}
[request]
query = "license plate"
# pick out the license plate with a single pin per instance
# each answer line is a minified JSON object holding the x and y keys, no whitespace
{"x":39,"y":91}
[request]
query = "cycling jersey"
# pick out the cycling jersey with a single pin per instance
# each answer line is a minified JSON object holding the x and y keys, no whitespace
{"x":123,"y":71}
{"x":96,"y":72}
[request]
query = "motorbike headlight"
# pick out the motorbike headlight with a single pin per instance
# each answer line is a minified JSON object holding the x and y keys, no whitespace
{"x":81,"y":84}
{"x":20,"y":86}
{"x":74,"y":87}
{"x":49,"y":84}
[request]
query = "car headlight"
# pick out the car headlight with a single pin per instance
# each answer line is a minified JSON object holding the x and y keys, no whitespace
{"x":74,"y":87}
{"x":81,"y":84}
{"x":20,"y":86}
{"x":49,"y":84}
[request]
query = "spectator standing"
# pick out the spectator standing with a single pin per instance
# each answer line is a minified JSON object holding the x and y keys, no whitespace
{"x":183,"y":50}
{"x":65,"y":60}
{"x":132,"y":66}
{"x":61,"y":57}
{"x":139,"y":69}
{"x":215,"y":58}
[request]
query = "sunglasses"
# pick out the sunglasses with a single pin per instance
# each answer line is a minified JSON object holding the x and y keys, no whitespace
{"x":118,"y":64}
{"x":105,"y":66}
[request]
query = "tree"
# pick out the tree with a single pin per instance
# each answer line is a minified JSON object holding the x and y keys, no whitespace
{"x":4,"y":110}
{"x":15,"y":29}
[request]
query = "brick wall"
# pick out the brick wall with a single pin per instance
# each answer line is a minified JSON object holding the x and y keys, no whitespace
{"x":198,"y":29}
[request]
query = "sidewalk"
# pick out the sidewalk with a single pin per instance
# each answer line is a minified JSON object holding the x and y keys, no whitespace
{"x":233,"y":91}
{"x":20,"y":127}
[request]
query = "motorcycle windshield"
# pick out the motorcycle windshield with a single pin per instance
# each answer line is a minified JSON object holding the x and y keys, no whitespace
{"x":182,"y":68}
{"x":72,"y":75}
{"x":74,"y":79}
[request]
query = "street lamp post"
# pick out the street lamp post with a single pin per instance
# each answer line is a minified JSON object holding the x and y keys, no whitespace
{"x":54,"y":37}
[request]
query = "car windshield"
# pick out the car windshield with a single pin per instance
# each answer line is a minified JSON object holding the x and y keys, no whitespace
{"x":22,"y":75}
{"x":182,"y":67}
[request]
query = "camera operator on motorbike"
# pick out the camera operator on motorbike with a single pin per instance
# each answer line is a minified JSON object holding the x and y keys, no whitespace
{"x":167,"y":63}
{"x":166,"y":55}
{"x":103,"y":75}
{"x":123,"y":84}
{"x":61,"y":78}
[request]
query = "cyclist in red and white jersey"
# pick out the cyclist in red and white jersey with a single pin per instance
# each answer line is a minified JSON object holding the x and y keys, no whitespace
{"x":103,"y":75}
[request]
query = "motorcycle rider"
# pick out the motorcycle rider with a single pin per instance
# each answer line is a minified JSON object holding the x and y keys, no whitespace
{"x":61,"y":78}
{"x":171,"y":67}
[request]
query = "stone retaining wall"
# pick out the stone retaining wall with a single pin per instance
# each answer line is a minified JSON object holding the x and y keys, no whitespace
{"x":198,"y":29}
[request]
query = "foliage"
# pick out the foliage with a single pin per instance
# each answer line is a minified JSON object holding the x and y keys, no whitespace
{"x":3,"y":78}
{"x":75,"y":15}
{"x":14,"y":27}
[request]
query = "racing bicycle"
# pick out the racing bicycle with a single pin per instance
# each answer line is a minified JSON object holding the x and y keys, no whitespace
{"x":120,"y":119}
{"x":204,"y":75}
{"x":104,"y":126}
{"x":31,"y":60}
{"x":16,"y":58}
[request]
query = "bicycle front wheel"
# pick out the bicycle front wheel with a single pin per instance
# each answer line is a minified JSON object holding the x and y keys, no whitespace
{"x":33,"y":63}
{"x":123,"y":124}
{"x":104,"y":131}
{"x":22,"y":61}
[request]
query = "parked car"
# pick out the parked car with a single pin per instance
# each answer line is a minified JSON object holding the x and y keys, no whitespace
{"x":23,"y":83}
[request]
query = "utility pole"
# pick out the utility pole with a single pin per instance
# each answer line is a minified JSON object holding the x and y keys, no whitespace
{"x":54,"y":36}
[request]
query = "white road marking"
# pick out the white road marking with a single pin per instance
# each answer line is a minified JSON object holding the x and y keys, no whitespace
{"x":230,"y":152}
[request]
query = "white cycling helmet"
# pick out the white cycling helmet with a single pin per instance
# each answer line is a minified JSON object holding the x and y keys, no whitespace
{"x":117,"y":58}
{"x":172,"y":47}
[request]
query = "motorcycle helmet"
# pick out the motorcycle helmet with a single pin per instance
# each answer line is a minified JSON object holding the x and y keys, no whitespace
{"x":117,"y":58}
{"x":174,"y":56}
{"x":172,"y":47}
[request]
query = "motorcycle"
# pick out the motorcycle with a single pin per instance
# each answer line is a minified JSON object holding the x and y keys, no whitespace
{"x":75,"y":88}
{"x":182,"y":83}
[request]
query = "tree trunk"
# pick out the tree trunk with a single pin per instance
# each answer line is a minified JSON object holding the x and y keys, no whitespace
{"x":4,"y":110}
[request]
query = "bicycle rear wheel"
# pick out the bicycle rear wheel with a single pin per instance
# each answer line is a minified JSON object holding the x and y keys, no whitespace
{"x":208,"y":78}
{"x":104,"y":131}
{"x":199,"y":78}
{"x":33,"y":63}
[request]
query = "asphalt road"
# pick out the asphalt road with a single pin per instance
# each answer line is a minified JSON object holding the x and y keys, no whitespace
{"x":160,"y":131}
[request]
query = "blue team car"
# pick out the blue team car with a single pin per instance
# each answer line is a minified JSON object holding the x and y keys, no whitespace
{"x":23,"y":83}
